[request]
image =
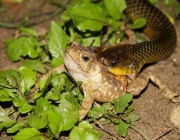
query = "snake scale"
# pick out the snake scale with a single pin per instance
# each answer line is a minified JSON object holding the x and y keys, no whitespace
{"x":128,"y":59}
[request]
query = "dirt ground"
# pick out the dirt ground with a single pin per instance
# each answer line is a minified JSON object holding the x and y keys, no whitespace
{"x":154,"y":109}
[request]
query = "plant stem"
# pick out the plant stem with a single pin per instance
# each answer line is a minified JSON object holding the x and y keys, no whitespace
{"x":139,"y":131}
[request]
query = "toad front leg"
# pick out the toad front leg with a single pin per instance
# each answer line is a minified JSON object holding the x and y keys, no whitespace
{"x":88,"y":99}
{"x":138,"y":84}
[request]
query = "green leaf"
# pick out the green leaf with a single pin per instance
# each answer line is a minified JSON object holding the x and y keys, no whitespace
{"x":132,"y":118}
{"x":44,"y":82}
{"x":55,"y":122}
{"x":74,"y":2}
{"x":28,"y":31}
{"x":177,"y":10}
{"x":138,"y":23}
{"x":16,"y":127}
{"x":5,"y":96}
{"x":122,"y":128}
{"x":85,"y":124}
{"x":44,"y":57}
{"x":84,"y":131}
{"x":88,"y":41}
{"x":65,"y":82}
{"x":42,"y":104}
{"x":129,"y":110}
{"x":69,"y":121}
{"x":28,"y":78}
{"x":68,"y":108}
{"x":153,"y":1}
{"x":115,"y":8}
{"x":55,"y":93}
{"x":22,"y":105}
{"x":86,"y":16}
{"x":115,"y":23}
{"x":97,"y":111}
{"x":22,"y":46}
{"x":37,"y":122}
{"x":5,"y":121}
{"x":139,"y":37}
{"x":10,"y":79}
{"x":169,"y":2}
{"x":66,"y":104}
{"x":56,"y":62}
{"x":43,"y":85}
{"x":28,"y":134}
{"x":36,"y":65}
{"x":58,"y":41}
{"x":122,"y":102}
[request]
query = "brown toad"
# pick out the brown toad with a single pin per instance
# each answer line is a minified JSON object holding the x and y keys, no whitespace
{"x":98,"y":84}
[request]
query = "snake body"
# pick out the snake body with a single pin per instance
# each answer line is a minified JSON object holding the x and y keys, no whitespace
{"x":128,"y":59}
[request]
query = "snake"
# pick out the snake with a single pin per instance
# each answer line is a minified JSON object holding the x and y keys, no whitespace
{"x":128,"y":59}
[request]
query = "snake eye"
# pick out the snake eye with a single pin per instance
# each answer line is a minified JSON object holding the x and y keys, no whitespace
{"x":114,"y":63}
{"x":85,"y":58}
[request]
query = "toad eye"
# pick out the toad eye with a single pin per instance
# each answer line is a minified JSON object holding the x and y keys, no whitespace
{"x":85,"y":58}
{"x":114,"y":63}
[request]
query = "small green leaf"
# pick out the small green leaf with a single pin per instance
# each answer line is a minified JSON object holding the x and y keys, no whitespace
{"x":28,"y":78}
{"x":5,"y":96}
{"x":58,"y":41}
{"x":10,"y":79}
{"x":122,"y":102}
{"x":22,"y":105}
{"x":16,"y":127}
{"x":139,"y":37}
{"x":28,"y":134}
{"x":138,"y":23}
{"x":115,"y":8}
{"x":84,"y":131}
{"x":177,"y":10}
{"x":69,"y":121}
{"x":37,"y":122}
{"x":116,"y":24}
{"x":88,"y":41}
{"x":129,"y":110}
{"x":68,"y":108}
{"x":55,"y":62}
{"x":122,"y":128}
{"x":85,"y":124}
{"x":22,"y":46}
{"x":55,"y":122}
{"x":74,"y":2}
{"x":36,"y":65}
{"x":28,"y":31}
{"x":66,"y":104}
{"x":98,"y":111}
{"x":169,"y":2}
{"x":5,"y":121}
{"x":42,"y":104}
{"x":86,"y":16}
{"x":153,"y":1}
{"x":55,"y":93}
{"x":132,"y":118}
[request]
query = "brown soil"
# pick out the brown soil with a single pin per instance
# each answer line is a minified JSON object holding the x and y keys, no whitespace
{"x":154,"y":109}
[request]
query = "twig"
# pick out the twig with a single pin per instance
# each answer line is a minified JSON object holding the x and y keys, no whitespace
{"x":139,"y":131}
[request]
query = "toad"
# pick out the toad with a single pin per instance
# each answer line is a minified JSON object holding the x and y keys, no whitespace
{"x":98,"y":84}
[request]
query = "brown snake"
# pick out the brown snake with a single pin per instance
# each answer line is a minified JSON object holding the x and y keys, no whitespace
{"x":128,"y":59}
